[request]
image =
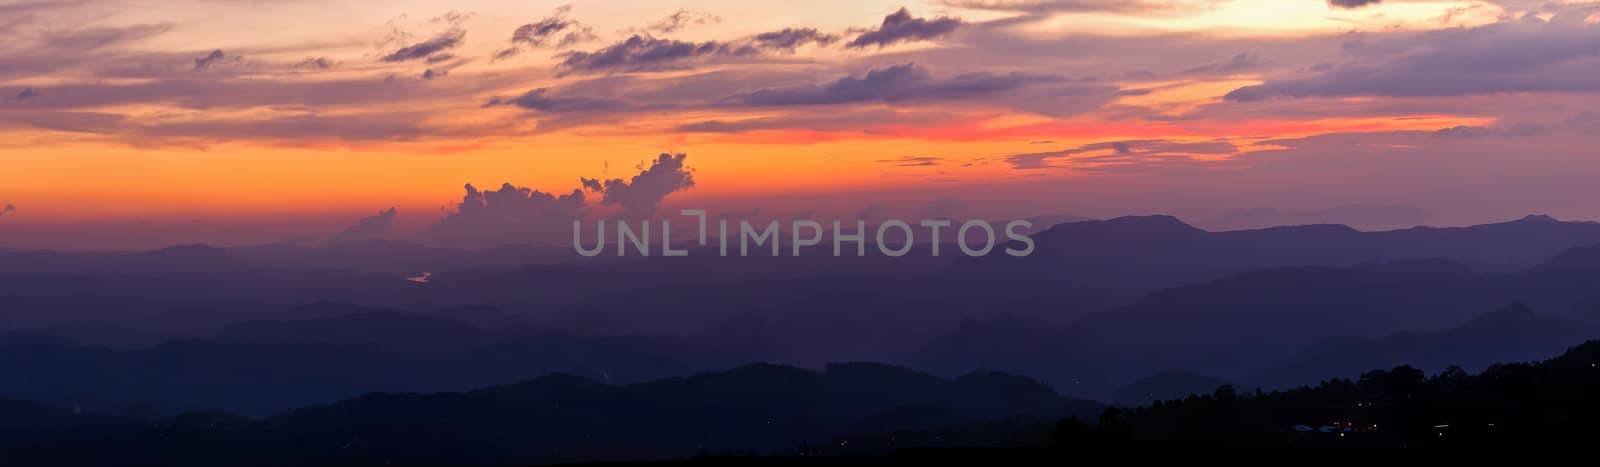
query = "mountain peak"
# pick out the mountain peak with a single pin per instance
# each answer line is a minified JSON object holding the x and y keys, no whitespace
{"x":1159,"y":223}
{"x":1513,"y":316}
{"x":1538,"y":218}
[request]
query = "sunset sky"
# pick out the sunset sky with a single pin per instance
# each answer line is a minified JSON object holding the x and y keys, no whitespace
{"x":140,"y":123}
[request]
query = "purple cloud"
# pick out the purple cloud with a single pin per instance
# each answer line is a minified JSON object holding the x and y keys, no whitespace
{"x":444,"y":41}
{"x":900,"y":26}
{"x":791,"y":38}
{"x":542,"y":100}
{"x":681,"y":19}
{"x":1349,"y":4}
{"x":895,"y":83}
{"x":642,"y":53}
{"x":640,"y":195}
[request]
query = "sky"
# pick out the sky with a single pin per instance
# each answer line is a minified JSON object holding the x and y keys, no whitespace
{"x":138,"y":124}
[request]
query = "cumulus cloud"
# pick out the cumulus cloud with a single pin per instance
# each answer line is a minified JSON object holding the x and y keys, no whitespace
{"x":444,"y":41}
{"x":509,"y":215}
{"x":513,"y":214}
{"x":900,"y":26}
{"x":891,"y":84}
{"x":644,"y":53}
{"x":369,"y":228}
{"x":640,"y":195}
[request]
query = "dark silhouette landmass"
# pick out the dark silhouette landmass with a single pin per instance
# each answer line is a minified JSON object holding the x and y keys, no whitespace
{"x":756,"y":408}
{"x":370,"y":351}
{"x":858,"y":411}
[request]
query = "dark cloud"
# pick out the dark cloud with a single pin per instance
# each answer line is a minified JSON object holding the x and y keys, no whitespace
{"x":681,"y":19}
{"x":913,"y":161}
{"x":210,"y":60}
{"x":444,"y":41}
{"x":432,"y":73}
{"x":542,"y":100}
{"x":369,"y":228}
{"x":541,"y":34}
{"x":895,"y":83}
{"x":790,"y":38}
{"x":1121,"y":154}
{"x":900,"y":26}
{"x":7,"y":209}
{"x":557,"y":30}
{"x":643,"y":53}
{"x":27,"y":93}
{"x":536,"y":34}
{"x":639,"y":196}
{"x":1352,"y":3}
{"x":320,"y":63}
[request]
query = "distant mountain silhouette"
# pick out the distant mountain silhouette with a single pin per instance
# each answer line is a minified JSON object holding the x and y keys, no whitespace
{"x":1152,"y":252}
{"x":1228,"y":327}
{"x":1514,"y":334}
{"x":1365,"y":216}
{"x":394,"y":258}
{"x":1249,"y":322}
{"x":261,"y":368}
{"x":755,"y":408}
{"x":1098,"y":304}
{"x":408,"y":333}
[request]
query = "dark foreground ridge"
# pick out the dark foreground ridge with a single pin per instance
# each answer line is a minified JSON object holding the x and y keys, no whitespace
{"x":852,"y":413}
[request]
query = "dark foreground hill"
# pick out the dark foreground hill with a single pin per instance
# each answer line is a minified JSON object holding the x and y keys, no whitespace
{"x":1513,"y":334}
{"x":757,"y":408}
{"x":850,"y":414}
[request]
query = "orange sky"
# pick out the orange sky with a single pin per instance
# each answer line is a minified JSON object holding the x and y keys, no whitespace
{"x":245,"y":111}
